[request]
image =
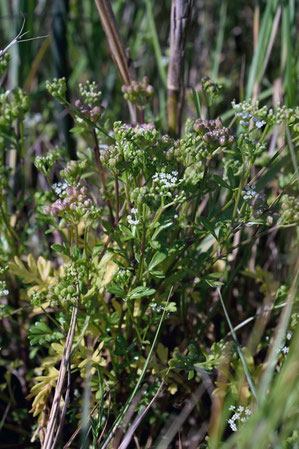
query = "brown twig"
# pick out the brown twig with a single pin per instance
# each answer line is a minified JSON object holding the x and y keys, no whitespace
{"x":180,"y":14}
{"x":118,"y":53}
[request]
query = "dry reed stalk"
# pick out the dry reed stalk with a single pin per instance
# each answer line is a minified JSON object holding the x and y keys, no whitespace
{"x":49,"y":437}
{"x":180,"y":15}
{"x":116,"y":46}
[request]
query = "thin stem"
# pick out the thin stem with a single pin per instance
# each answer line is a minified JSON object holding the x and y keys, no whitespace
{"x":239,"y":350}
{"x":116,"y":185}
{"x":102,"y":175}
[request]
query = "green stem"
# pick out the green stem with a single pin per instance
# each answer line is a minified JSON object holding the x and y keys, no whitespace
{"x":239,"y":350}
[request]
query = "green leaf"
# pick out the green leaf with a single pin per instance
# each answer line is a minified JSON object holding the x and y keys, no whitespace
{"x":140,"y":292}
{"x":116,"y":290}
{"x":156,"y":260}
{"x":205,"y":222}
{"x":221,"y":181}
{"x":60,"y":249}
{"x":190,"y":375}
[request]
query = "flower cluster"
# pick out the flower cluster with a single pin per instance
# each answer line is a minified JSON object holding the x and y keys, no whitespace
{"x":76,"y":201}
{"x":133,"y":221}
{"x":284,"y":349}
{"x":155,"y":307}
{"x":240,"y":416}
{"x":138,"y":93}
{"x":214,"y":133}
{"x":164,"y":184}
{"x":60,"y":188}
{"x":249,"y":112}
{"x":57,"y":88}
{"x":249,"y":193}
{"x":3,"y":289}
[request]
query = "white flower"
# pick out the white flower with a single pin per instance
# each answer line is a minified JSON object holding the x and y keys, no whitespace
{"x":285,"y":349}
{"x":232,"y":407}
{"x":259,"y":122}
{"x":234,"y":427}
{"x":289,"y":335}
{"x":132,"y":222}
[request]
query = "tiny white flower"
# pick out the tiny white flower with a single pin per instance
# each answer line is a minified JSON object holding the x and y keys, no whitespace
{"x":234,"y":427}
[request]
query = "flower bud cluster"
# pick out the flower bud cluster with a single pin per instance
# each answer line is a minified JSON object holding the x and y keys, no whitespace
{"x":240,"y":416}
{"x":3,"y":177}
{"x":37,"y":298}
{"x":111,"y":156}
{"x":190,"y":149}
{"x":210,"y":87}
{"x":138,"y":93}
{"x":122,"y":277}
{"x":89,"y":91}
{"x":76,"y":202}
{"x":93,"y":113}
{"x":140,"y":147}
{"x":13,"y":105}
{"x":73,"y":171}
{"x":57,"y":88}
{"x":65,"y":291}
{"x":90,"y":105}
{"x":260,"y":205}
{"x":45,"y":163}
{"x":4,"y":61}
{"x":250,"y":147}
{"x":214,"y":133}
{"x":290,"y":209}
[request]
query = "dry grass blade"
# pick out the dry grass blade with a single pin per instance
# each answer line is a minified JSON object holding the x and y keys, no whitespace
{"x":180,"y":14}
{"x":177,"y":423}
{"x":126,"y":441}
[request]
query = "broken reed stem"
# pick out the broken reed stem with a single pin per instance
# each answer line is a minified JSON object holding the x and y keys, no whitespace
{"x":180,"y":14}
{"x":117,"y":48}
{"x":47,"y":444}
